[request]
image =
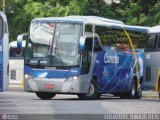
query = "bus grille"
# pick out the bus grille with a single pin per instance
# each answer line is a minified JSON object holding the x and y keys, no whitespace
{"x":148,"y":73}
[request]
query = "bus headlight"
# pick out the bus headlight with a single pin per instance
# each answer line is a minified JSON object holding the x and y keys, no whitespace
{"x":27,"y":76}
{"x":70,"y":79}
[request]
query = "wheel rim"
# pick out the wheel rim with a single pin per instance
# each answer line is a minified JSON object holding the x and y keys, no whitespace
{"x":140,"y":90}
{"x":133,"y":90}
{"x":91,"y":90}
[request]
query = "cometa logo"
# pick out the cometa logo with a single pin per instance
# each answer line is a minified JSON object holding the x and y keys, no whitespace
{"x":111,"y":59}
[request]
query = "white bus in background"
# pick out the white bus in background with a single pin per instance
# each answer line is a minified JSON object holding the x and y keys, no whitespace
{"x":152,"y":60}
{"x":16,"y":61}
{"x":4,"y":42}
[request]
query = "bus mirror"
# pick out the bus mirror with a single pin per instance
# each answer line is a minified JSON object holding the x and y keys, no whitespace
{"x":82,"y":43}
{"x":20,"y":38}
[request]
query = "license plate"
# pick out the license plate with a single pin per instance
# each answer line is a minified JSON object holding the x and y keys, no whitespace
{"x":49,"y":86}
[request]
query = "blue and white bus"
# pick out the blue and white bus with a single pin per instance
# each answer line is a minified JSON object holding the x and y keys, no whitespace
{"x":82,"y":55}
{"x":4,"y":50}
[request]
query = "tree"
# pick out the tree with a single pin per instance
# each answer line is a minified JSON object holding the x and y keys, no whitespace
{"x":154,"y":15}
{"x":139,"y":12}
{"x":135,"y":12}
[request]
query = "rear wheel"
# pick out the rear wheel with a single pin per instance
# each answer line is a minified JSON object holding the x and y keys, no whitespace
{"x":92,"y":92}
{"x":138,"y":94}
{"x":45,"y":95}
{"x":134,"y":92}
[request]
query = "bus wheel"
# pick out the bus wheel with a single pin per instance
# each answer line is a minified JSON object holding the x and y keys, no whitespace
{"x":131,"y":94}
{"x":138,"y":94}
{"x":45,"y":95}
{"x":92,"y":92}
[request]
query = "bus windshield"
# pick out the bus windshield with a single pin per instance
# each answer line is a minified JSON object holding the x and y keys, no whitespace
{"x":16,"y":53}
{"x":53,"y":44}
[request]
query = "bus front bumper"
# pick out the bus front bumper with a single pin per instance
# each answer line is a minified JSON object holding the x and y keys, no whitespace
{"x":56,"y":85}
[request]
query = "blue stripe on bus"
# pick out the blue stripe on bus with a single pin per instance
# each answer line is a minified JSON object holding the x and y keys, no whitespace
{"x":51,"y":73}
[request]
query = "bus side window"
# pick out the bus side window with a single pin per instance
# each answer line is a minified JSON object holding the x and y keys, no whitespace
{"x":89,"y":42}
{"x":159,"y":41}
{"x":97,"y":46}
{"x":5,"y":27}
{"x":152,"y":40}
{"x":12,"y":52}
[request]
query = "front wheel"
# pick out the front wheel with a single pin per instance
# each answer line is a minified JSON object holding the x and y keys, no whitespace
{"x":45,"y":95}
{"x":92,"y":92}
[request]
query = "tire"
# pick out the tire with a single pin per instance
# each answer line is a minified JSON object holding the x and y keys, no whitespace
{"x":138,"y":94}
{"x":45,"y":95}
{"x":132,"y":93}
{"x":92,"y":93}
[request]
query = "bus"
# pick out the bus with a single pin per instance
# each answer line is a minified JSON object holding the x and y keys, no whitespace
{"x":16,"y":61}
{"x":152,"y":61}
{"x":82,"y":55}
{"x":4,"y":50}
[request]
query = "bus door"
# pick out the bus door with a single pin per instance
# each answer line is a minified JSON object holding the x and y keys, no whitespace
{"x":88,"y":59}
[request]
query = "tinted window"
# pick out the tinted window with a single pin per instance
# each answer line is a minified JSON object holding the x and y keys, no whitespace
{"x":159,"y":41}
{"x":97,"y":46}
{"x":5,"y":27}
{"x":152,"y":39}
{"x":14,"y":52}
{"x":89,"y":42}
{"x":1,"y":27}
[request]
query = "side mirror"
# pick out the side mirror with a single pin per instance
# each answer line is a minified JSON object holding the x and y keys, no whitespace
{"x":20,"y":38}
{"x":82,"y":43}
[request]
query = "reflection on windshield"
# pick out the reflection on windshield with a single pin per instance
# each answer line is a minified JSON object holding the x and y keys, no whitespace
{"x":53,"y":44}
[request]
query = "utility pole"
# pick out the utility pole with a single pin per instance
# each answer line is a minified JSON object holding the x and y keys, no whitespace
{"x":4,"y":6}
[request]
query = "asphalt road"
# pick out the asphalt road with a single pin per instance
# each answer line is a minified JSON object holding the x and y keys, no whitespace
{"x":62,"y":107}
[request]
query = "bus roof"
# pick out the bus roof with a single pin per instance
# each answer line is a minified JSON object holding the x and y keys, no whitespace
{"x":14,"y":44}
{"x":142,"y":29}
{"x":95,"y":21}
{"x":83,"y":19}
{"x":155,"y":29}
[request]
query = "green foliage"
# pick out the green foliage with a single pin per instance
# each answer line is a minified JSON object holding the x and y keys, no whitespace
{"x":154,"y":15}
{"x":135,"y":12}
